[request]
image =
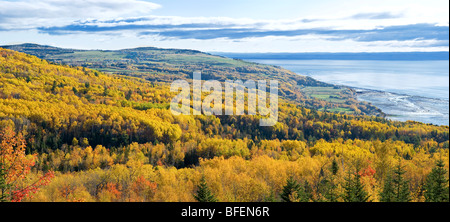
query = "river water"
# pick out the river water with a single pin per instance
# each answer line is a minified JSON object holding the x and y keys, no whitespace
{"x":404,"y":90}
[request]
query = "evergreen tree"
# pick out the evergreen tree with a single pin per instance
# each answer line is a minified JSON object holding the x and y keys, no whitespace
{"x":396,"y":188}
{"x":105,"y":91}
{"x":291,"y":188}
{"x":327,"y":189}
{"x":204,"y":194}
{"x":436,"y":185}
{"x":304,"y":193}
{"x":54,"y":86}
{"x":128,"y":95}
{"x":3,"y":185}
{"x":388,"y":193}
{"x":328,"y":185}
{"x":354,"y":189}
{"x":360,"y":195}
{"x":334,"y":167}
{"x":271,"y":197}
{"x":403,"y":193}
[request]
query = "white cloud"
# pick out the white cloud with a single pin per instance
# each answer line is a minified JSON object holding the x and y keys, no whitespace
{"x":23,"y":14}
{"x":306,"y":43}
{"x":83,"y":23}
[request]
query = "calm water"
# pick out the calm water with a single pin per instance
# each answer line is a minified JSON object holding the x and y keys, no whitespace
{"x":404,"y":90}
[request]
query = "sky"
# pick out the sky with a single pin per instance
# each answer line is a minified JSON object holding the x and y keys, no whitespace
{"x":230,"y":25}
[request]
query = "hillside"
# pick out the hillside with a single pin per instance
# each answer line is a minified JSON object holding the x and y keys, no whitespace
{"x":166,"y":65}
{"x":110,"y":137}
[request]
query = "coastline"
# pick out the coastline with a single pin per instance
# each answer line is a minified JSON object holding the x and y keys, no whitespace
{"x":392,"y":87}
{"x":400,"y":107}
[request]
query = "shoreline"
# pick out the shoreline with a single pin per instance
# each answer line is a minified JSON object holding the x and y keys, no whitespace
{"x":393,"y":107}
{"x":396,"y":105}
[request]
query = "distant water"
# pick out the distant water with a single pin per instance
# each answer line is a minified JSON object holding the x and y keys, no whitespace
{"x":404,"y":90}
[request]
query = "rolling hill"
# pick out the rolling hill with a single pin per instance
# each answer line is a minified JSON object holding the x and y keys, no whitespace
{"x":163,"y":66}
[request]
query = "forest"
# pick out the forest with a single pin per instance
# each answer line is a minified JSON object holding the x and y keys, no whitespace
{"x":166,"y":65}
{"x":72,"y":133}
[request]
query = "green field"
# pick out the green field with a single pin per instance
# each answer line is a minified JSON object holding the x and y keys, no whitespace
{"x":338,"y":110}
{"x":89,"y":56}
{"x":330,"y":94}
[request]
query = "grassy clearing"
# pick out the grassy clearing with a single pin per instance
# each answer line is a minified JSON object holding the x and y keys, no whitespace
{"x":204,"y":59}
{"x":94,"y":56}
{"x":338,"y":110}
{"x":330,"y":94}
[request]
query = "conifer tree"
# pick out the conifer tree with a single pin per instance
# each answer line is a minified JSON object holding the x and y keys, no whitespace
{"x":328,"y":190}
{"x":304,"y":194}
{"x":436,"y":185}
{"x":329,"y":185}
{"x":204,"y":194}
{"x":354,"y":188}
{"x":403,"y":193}
{"x":3,"y":185}
{"x":271,"y":197}
{"x":294,"y":191}
{"x":291,"y":187}
{"x":396,"y":188}
{"x":388,"y":193}
{"x":54,"y":86}
{"x":334,"y":167}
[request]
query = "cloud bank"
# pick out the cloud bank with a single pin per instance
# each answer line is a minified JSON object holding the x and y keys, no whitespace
{"x":124,"y":19}
{"x":23,"y":14}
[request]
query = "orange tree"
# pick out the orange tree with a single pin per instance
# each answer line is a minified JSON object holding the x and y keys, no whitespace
{"x":15,"y":166}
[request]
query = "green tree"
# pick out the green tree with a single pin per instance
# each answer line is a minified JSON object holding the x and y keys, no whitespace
{"x":4,"y":186}
{"x":291,"y":188}
{"x":105,"y":91}
{"x":271,"y":197}
{"x":128,"y":94}
{"x":54,"y":86}
{"x":304,"y":194}
{"x":388,"y":193}
{"x":204,"y":194}
{"x":334,"y":167}
{"x":354,"y":190}
{"x":296,"y":192}
{"x":436,"y":184}
{"x":396,"y":188}
{"x":328,"y":190}
{"x":328,"y":186}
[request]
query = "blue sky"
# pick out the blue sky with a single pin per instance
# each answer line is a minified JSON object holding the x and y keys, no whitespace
{"x":230,"y":25}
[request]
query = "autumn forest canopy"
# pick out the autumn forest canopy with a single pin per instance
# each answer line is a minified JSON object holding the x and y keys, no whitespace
{"x":96,"y":126}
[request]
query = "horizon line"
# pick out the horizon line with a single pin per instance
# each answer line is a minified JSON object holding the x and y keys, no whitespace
{"x":406,"y":56}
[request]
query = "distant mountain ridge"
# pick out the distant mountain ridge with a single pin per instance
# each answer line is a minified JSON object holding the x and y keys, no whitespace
{"x":36,"y":49}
